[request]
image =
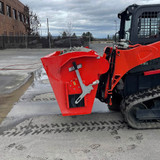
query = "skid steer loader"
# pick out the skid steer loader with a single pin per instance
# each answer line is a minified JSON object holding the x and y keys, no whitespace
{"x":126,"y":77}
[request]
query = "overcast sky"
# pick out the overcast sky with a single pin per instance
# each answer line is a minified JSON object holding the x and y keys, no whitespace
{"x":97,"y":16}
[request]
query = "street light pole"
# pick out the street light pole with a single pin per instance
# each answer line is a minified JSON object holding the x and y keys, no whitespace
{"x":49,"y":38}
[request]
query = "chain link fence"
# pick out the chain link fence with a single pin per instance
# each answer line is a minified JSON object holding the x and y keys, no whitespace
{"x":41,"y":42}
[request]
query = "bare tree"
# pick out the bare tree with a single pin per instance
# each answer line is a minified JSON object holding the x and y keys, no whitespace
{"x":34,"y":23}
{"x":69,"y":29}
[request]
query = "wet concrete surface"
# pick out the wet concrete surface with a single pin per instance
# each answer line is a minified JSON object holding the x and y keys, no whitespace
{"x":24,"y":62}
{"x":6,"y":80}
{"x":7,"y":100}
{"x":11,"y":82}
{"x":39,"y":100}
{"x":17,"y":66}
{"x":34,"y":130}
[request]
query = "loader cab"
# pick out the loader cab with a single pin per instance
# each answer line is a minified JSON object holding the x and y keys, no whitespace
{"x":140,"y":24}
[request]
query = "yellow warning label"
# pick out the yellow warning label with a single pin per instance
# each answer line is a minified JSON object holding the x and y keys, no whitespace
{"x":74,"y":83}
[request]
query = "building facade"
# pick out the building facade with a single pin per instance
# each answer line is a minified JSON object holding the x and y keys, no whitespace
{"x":14,"y":18}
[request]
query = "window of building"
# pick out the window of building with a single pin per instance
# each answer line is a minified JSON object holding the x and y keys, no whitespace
{"x":23,"y":18}
{"x":11,"y":33}
{"x":5,"y":33}
{"x":19,"y":16}
{"x":149,"y":25}
{"x":14,"y":14}
{"x":1,"y":7}
{"x":27,"y":20}
{"x":8,"y":11}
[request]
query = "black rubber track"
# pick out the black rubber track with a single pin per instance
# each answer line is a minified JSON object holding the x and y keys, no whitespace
{"x":129,"y":102}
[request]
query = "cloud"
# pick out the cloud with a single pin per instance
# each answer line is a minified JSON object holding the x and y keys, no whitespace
{"x":85,"y":15}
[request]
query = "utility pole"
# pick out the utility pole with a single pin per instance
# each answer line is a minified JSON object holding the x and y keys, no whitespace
{"x":115,"y":25}
{"x":49,"y":38}
{"x":26,"y":39}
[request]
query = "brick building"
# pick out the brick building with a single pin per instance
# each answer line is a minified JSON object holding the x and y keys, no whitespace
{"x":14,"y":18}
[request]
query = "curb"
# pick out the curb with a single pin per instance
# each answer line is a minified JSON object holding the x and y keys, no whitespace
{"x":19,"y":86}
{"x":7,"y":100}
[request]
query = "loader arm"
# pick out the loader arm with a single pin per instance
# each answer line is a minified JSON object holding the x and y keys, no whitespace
{"x":129,"y":58}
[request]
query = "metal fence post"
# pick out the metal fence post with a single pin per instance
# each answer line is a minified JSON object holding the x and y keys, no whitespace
{"x":3,"y":39}
{"x":26,"y":38}
{"x":70,"y":41}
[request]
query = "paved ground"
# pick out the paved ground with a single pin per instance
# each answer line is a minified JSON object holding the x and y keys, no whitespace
{"x":34,"y":130}
{"x":17,"y":68}
{"x":99,"y":47}
{"x":39,"y":100}
{"x":91,"y":137}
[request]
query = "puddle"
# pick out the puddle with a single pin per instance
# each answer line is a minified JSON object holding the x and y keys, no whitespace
{"x":40,"y":90}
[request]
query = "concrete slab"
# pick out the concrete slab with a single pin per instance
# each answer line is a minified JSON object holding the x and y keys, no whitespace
{"x":11,"y":90}
{"x":17,"y":67}
{"x":90,"y":137}
{"x":10,"y":83}
{"x":39,"y":99}
{"x":33,"y":131}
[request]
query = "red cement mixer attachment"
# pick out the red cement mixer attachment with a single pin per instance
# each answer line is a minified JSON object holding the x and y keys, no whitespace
{"x":74,"y":77}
